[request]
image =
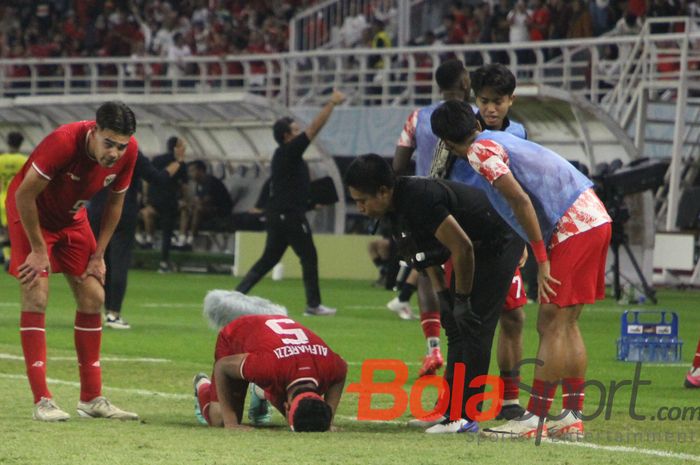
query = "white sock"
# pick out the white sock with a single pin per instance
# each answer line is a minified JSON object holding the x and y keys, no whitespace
{"x":433,"y":342}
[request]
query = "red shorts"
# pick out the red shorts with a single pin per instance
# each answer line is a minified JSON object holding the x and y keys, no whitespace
{"x":69,"y":248}
{"x":579,"y":263}
{"x":516,"y":295}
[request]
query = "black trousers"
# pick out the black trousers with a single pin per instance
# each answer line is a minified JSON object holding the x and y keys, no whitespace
{"x":117,"y":256}
{"x":284,"y":230}
{"x":469,"y":344}
{"x":168,"y":217}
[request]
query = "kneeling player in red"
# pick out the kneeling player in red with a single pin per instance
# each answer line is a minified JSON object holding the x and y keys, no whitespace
{"x":299,"y":374}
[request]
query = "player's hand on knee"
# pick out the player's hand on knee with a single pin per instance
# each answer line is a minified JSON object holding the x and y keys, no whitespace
{"x":96,"y":268}
{"x":36,"y":265}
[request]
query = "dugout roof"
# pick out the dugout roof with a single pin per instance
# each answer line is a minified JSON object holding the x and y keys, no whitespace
{"x":224,"y":128}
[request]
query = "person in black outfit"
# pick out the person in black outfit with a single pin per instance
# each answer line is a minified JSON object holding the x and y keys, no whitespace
{"x":164,"y":199}
{"x":118,"y":253}
{"x":289,"y":197}
{"x":211,"y":201}
{"x":434,"y":219}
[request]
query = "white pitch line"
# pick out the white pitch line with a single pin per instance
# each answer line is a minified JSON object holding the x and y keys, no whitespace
{"x":167,"y":395}
{"x":357,"y":364}
{"x":379,"y":422}
{"x":665,"y":365}
{"x":4,"y":356}
{"x":140,"y":392}
{"x":366,"y":307}
{"x":168,"y":305}
{"x":636,"y":450}
{"x":589,"y":445}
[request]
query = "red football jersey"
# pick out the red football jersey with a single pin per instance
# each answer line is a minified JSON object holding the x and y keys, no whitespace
{"x":62,"y":158}
{"x":280,"y":352}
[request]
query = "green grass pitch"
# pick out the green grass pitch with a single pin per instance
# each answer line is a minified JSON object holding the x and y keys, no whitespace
{"x":149,"y":368}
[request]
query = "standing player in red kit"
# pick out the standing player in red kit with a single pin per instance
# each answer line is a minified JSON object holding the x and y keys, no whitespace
{"x":50,"y":233}
{"x":300,"y":375}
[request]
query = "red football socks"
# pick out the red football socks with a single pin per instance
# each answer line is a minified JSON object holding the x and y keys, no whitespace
{"x":33,"y":335}
{"x":88,"y":337}
{"x":204,"y":399}
{"x":511,"y":386}
{"x":430,"y":322}
{"x":541,"y":397}
{"x":573,"y":395}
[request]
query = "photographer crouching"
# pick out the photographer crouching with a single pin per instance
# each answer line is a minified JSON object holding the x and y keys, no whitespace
{"x":433,"y":220}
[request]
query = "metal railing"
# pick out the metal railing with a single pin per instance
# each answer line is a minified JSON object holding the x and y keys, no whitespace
{"x":334,"y":23}
{"x":373,"y":77}
{"x":653,"y":63}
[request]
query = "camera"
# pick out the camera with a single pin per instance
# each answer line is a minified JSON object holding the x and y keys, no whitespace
{"x":613,"y":182}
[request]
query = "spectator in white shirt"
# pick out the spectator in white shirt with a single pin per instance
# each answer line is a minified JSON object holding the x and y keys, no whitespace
{"x":351,"y":31}
{"x":177,"y":68}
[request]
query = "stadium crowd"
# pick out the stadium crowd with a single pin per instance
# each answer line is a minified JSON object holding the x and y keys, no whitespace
{"x":178,"y":28}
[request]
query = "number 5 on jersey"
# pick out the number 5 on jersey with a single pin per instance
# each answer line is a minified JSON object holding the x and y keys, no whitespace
{"x":300,"y":336}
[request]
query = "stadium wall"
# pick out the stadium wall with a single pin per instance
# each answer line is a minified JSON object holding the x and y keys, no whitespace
{"x":339,"y":256}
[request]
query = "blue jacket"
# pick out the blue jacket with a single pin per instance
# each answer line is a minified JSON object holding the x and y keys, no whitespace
{"x":552,"y":183}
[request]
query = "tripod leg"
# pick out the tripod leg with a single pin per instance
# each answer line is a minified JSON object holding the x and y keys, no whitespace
{"x":617,"y":290}
{"x":648,"y":291}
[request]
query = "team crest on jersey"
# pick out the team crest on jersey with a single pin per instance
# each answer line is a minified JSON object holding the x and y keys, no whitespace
{"x":109,"y":179}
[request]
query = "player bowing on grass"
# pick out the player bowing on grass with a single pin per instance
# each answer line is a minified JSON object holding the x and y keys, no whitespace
{"x":300,"y":375}
{"x":551,"y":204}
{"x":50,"y":233}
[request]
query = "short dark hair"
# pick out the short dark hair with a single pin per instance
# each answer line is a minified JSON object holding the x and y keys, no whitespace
{"x":117,"y":117}
{"x":14,"y":140}
{"x":449,"y":73}
{"x":494,"y":76}
{"x":312,"y":416}
{"x":199,"y":164}
{"x":171,"y":143}
{"x":453,"y":121}
{"x":280,"y":129}
{"x":367,"y":173}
